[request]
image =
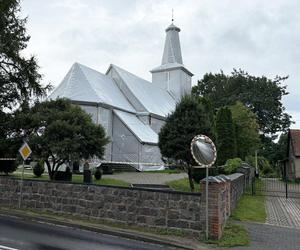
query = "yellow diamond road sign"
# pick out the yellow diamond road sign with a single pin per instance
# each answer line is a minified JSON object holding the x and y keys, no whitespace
{"x":25,"y":151}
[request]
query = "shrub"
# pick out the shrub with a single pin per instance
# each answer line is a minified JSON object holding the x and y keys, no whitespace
{"x":38,"y":169}
{"x":8,"y":166}
{"x":231,"y":165}
{"x":98,"y":174}
{"x":263,"y":164}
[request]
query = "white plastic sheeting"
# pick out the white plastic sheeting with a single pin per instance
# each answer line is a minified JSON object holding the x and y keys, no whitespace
{"x":150,"y":154}
{"x":88,"y":85}
{"x":128,"y":148}
{"x":142,"y":131}
{"x":92,"y":111}
{"x":156,"y":124}
{"x":125,"y":144}
{"x":172,"y":50}
{"x":156,"y":100}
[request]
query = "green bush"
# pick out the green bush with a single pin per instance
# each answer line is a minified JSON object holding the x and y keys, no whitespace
{"x":38,"y":169}
{"x":263,"y":164}
{"x":98,"y":174}
{"x":231,"y":165}
{"x":8,"y":166}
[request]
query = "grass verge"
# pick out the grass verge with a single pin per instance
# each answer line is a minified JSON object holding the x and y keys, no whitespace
{"x":183,"y":185}
{"x":233,"y":235}
{"x":252,"y":207}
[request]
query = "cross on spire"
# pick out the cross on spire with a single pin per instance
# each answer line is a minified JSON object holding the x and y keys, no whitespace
{"x":172,"y":15}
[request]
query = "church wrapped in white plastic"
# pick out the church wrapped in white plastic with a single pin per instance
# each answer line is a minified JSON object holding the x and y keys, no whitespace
{"x":131,"y":109}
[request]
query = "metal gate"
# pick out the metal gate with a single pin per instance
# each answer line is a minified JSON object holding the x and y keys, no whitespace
{"x":275,"y":187}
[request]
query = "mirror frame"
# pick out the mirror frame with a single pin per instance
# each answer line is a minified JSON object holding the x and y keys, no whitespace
{"x":207,"y":139}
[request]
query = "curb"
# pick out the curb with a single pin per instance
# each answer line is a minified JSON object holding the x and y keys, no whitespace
{"x":123,"y":233}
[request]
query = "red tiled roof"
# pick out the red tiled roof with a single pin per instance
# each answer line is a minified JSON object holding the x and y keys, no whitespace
{"x":295,"y":137}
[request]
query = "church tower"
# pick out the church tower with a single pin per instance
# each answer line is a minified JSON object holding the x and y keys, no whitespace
{"x":172,"y":75}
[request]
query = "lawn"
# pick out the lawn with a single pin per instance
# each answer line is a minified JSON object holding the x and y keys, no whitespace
{"x":183,"y":185}
{"x":76,"y":178}
{"x":166,"y":171}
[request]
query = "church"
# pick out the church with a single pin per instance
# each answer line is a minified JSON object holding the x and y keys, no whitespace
{"x":131,"y":109}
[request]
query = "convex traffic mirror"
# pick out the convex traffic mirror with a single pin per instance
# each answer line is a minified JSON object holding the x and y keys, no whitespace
{"x":203,"y":150}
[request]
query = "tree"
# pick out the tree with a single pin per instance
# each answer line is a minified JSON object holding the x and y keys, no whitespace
{"x":275,"y":152}
{"x":19,"y":77}
{"x":59,"y":132}
{"x":246,"y":130}
{"x":261,"y":95}
{"x":226,"y":141}
{"x":192,"y":116}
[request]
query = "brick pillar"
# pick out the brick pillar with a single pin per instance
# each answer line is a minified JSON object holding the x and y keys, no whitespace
{"x":218,"y":204}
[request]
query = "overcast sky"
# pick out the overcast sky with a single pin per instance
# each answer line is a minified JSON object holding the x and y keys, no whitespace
{"x":261,"y":37}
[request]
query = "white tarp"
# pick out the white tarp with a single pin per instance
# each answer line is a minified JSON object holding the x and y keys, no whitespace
{"x":143,"y":132}
{"x":156,"y":100}
{"x":88,"y":85}
{"x":127,"y":146}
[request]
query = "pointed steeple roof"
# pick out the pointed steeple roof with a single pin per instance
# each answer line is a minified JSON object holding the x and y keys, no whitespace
{"x":172,"y":58}
{"x":172,"y":50}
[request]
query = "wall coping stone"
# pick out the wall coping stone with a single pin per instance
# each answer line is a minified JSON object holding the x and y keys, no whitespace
{"x":235,"y":176}
{"x":213,"y":179}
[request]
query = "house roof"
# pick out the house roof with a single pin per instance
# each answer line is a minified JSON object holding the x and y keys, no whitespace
{"x":295,"y":140}
{"x":143,"y":132}
{"x":156,"y":100}
{"x":87,"y":85}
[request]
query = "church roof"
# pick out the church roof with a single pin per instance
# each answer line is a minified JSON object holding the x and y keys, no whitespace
{"x":156,"y":100}
{"x":87,"y":85}
{"x":142,"y":131}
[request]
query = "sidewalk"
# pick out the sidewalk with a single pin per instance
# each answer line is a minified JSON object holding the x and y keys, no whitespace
{"x":270,"y":237}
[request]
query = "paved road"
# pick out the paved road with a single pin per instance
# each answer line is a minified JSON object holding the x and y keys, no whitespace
{"x":19,"y":234}
{"x":269,"y":237}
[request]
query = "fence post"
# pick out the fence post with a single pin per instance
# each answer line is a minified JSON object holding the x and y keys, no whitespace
{"x":253,"y":185}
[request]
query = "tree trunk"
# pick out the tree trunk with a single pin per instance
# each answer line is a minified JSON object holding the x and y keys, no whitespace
{"x":191,"y":178}
{"x":50,"y":172}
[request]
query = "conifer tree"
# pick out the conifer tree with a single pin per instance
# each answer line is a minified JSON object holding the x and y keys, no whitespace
{"x":192,"y":116}
{"x":226,"y":141}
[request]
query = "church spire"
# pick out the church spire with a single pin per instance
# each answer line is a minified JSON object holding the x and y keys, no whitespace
{"x":172,"y":50}
{"x":172,"y":75}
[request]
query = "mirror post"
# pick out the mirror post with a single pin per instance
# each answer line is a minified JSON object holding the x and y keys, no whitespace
{"x":204,"y":153}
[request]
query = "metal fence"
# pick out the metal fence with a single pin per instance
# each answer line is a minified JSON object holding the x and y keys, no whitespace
{"x":275,"y":187}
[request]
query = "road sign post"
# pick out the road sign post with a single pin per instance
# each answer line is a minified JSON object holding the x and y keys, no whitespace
{"x":25,"y":152}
